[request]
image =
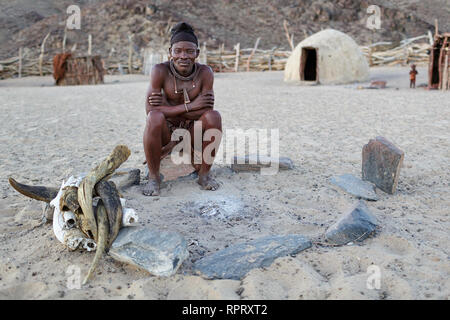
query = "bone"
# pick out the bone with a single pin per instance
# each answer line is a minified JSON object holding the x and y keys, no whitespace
{"x":119,"y":155}
{"x":35,"y":192}
{"x":69,"y":199}
{"x":129,"y":217}
{"x":69,"y":219}
{"x":74,"y":239}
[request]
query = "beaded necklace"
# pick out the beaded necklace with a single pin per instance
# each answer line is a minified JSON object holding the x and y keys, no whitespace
{"x":191,"y":77}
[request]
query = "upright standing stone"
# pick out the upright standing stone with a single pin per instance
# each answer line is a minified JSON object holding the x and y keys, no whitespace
{"x":381,"y":163}
{"x":355,"y":225}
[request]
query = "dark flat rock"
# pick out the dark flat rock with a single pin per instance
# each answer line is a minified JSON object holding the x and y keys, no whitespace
{"x":355,"y":186}
{"x":255,"y":163}
{"x":237,"y":260}
{"x":158,"y":252}
{"x":381,"y":163}
{"x":356,"y":225}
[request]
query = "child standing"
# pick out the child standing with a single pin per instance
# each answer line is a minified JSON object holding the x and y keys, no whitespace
{"x":412,"y":76}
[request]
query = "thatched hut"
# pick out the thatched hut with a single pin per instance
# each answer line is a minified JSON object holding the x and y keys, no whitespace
{"x":327,"y":57}
{"x":439,"y":63}
{"x":69,"y":70}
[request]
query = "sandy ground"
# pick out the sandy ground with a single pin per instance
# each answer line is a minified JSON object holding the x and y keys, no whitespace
{"x":49,"y":133}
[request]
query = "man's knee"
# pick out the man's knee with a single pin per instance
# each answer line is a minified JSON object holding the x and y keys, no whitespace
{"x":155,"y":119}
{"x":213,"y":118}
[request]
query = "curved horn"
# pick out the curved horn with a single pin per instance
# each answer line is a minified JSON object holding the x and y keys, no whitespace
{"x":119,"y":155}
{"x":103,"y":230}
{"x":111,"y":200}
{"x":35,"y":192}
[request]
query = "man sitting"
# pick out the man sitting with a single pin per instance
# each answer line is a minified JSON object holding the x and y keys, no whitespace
{"x":180,"y":92}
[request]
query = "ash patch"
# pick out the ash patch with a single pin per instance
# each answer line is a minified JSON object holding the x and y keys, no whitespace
{"x":220,"y":207}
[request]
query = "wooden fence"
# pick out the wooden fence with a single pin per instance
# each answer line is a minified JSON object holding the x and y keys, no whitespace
{"x":414,"y":50}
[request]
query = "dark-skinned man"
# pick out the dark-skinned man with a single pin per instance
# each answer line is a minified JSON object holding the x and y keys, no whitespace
{"x":180,"y":93}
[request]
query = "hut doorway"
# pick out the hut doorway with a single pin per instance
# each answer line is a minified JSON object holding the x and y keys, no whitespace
{"x":308,"y":64}
{"x":434,"y":75}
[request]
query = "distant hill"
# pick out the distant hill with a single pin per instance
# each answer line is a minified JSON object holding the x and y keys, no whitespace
{"x":24,"y":23}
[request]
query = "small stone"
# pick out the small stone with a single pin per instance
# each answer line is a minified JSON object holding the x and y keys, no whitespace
{"x":355,"y":186}
{"x":255,"y":163}
{"x":381,"y":163}
{"x":159,"y":252}
{"x":237,"y":260}
{"x":356,"y":225}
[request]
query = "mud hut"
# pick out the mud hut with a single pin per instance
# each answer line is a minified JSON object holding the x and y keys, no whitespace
{"x":439,"y":63}
{"x":327,"y":57}
{"x":70,"y":70}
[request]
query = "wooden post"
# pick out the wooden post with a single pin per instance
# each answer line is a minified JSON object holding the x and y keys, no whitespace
{"x":236,"y":62}
{"x":64,"y":40}
{"x":287,"y":35}
{"x":220,"y":57}
{"x":205,"y":52}
{"x":436,"y":27}
{"x":130,"y":53}
{"x":41,"y":56}
{"x":89,"y":45}
{"x":445,"y":78}
{"x":251,"y":54}
{"x":270,"y":58}
{"x":20,"y":62}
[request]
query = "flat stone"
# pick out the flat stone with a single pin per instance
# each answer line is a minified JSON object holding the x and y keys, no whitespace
{"x":237,"y":260}
{"x":381,"y":163}
{"x":355,"y":186}
{"x":159,"y":252}
{"x":172,"y":171}
{"x":356,"y":225}
{"x":255,"y":163}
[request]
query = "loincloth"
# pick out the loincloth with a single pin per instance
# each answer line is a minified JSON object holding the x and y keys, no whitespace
{"x":182,"y":124}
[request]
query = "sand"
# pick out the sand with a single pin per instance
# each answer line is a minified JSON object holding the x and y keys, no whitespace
{"x":49,"y":133}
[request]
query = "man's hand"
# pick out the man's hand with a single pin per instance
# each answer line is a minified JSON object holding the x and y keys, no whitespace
{"x":156,"y":99}
{"x":202,"y":101}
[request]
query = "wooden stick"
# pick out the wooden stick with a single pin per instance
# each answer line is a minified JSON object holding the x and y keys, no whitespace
{"x":130,"y":53}
{"x":436,"y":27}
{"x":64,"y":40}
{"x":445,"y":78}
{"x":236,"y":62}
{"x":20,"y":62}
{"x":287,"y":35}
{"x":205,"y":52}
{"x":41,"y":56}
{"x":251,"y":55}
{"x":220,"y":57}
{"x":89,"y":45}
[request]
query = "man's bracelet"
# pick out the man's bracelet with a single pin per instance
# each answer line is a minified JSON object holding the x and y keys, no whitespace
{"x":186,"y":107}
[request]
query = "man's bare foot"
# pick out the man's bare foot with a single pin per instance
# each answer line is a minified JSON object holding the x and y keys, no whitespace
{"x":151,"y":188}
{"x":207,"y":183}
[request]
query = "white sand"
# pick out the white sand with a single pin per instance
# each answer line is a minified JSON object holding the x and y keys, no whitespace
{"x":49,"y":133}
